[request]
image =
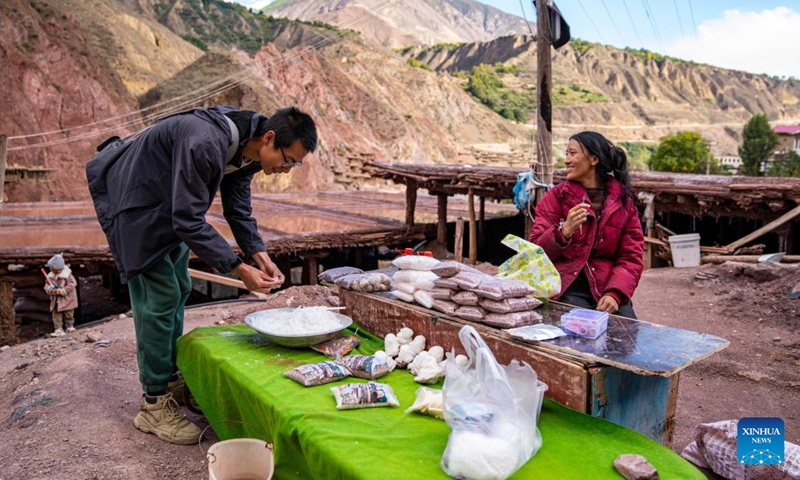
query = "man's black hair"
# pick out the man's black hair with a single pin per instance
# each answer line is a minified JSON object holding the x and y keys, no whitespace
{"x":290,"y":124}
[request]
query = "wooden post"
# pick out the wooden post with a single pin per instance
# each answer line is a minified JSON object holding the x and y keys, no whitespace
{"x":458,"y":248}
{"x":3,"y":145}
{"x":8,"y":335}
{"x":473,"y":230}
{"x":481,"y":221}
{"x":284,"y":264}
{"x":310,"y":270}
{"x":411,"y":201}
{"x":649,"y":216}
{"x":441,"y":225}
{"x":544,"y":85}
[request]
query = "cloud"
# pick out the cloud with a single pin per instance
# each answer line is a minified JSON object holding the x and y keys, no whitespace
{"x":756,"y":42}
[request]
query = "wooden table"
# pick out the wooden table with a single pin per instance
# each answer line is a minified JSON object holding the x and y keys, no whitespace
{"x":629,"y":375}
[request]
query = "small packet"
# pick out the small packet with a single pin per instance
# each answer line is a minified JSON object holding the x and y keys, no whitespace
{"x":469,"y":280}
{"x":423,"y":298}
{"x":401,"y":295}
{"x":465,"y":298}
{"x":447,"y":283}
{"x":329,"y":276}
{"x":511,"y":320}
{"x":364,"y":395}
{"x":537,"y":333}
{"x":337,"y":347}
{"x":413,"y":276}
{"x":496,"y":289}
{"x":439,"y":293}
{"x":449,"y":268}
{"x":317,"y":373}
{"x":415,"y":262}
{"x":510,"y":305}
{"x":405,"y":287}
{"x":445,"y":306}
{"x":428,"y":402}
{"x":362,"y":366}
{"x":475,"y":314}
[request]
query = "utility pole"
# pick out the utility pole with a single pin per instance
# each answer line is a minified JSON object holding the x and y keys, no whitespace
{"x":544,"y":87}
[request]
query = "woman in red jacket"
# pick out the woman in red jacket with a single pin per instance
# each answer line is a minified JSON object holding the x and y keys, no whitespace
{"x":590,"y":228}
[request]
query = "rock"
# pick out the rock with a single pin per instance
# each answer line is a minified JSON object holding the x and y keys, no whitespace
{"x":776,"y":339}
{"x":4,"y":348}
{"x":122,"y":316}
{"x":333,"y":300}
{"x":635,"y":467}
{"x":227,"y":314}
{"x":93,"y":337}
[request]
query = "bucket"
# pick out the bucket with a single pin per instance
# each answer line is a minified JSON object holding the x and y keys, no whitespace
{"x":685,"y":250}
{"x":240,"y":459}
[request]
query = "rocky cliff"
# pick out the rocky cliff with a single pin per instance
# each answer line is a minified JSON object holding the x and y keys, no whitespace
{"x":394,"y":23}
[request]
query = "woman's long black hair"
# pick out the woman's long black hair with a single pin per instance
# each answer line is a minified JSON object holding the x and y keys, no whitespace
{"x":612,"y":160}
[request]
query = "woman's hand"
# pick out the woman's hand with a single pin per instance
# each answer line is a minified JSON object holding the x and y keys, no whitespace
{"x":575,"y":218}
{"x":607,"y":304}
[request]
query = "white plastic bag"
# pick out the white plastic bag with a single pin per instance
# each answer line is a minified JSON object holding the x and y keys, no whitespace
{"x":491,"y":409}
{"x":415,"y":262}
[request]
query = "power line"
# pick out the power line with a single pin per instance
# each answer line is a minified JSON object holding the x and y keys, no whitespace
{"x":694,"y":24}
{"x":311,"y":45}
{"x":678,"y":13}
{"x":591,"y":21}
{"x":522,"y":9}
{"x":614,"y":23}
{"x":633,"y":23}
{"x":653,"y":23}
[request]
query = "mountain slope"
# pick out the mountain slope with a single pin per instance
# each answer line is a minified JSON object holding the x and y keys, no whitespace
{"x":638,"y":97}
{"x":394,"y":23}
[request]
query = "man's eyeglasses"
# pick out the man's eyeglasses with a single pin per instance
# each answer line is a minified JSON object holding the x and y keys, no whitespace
{"x":287,"y":163}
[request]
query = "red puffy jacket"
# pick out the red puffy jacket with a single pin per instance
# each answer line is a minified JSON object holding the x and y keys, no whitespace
{"x":609,"y":253}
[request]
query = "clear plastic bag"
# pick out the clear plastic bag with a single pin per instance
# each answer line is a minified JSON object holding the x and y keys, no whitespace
{"x":329,"y":276}
{"x":364,"y":395}
{"x":511,"y":320}
{"x":362,"y":366}
{"x":451,"y":267}
{"x":317,"y":373}
{"x":491,"y":410}
{"x":468,"y":299}
{"x":510,"y":305}
{"x":415,"y":262}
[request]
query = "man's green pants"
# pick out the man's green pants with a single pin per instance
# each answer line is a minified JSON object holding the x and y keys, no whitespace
{"x":158,"y":297}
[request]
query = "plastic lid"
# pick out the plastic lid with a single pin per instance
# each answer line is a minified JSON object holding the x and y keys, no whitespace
{"x":587,"y":315}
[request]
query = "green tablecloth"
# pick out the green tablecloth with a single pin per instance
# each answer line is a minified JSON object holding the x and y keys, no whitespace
{"x":234,"y":376}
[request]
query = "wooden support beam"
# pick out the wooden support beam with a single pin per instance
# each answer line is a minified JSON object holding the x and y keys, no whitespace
{"x":482,"y":222}
{"x":216,"y":279}
{"x":458,"y":248}
{"x":411,"y":201}
{"x":473,"y":230}
{"x":3,"y":150}
{"x":441,"y":225}
{"x":716,"y":259}
{"x":8,"y":329}
{"x":310,"y":270}
{"x":791,"y":214}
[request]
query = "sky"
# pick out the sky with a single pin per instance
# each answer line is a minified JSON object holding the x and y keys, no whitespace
{"x":757,"y":37}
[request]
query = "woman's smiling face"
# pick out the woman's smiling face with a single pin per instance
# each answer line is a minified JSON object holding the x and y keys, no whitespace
{"x":581,"y":165}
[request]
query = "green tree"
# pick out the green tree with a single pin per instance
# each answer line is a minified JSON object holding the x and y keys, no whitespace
{"x":786,"y":165}
{"x":685,"y":152}
{"x":758,"y":143}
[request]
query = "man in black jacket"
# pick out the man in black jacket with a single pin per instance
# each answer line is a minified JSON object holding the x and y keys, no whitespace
{"x":151,"y":195}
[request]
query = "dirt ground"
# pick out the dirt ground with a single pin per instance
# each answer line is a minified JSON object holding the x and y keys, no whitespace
{"x":67,"y":404}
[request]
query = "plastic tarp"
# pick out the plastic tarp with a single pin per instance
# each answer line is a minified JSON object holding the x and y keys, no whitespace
{"x":235,"y":376}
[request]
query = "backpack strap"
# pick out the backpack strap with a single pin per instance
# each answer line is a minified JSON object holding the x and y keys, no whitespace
{"x":234,"y":140}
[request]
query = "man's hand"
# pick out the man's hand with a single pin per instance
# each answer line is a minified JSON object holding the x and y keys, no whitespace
{"x":254,"y":279}
{"x":266,"y":265}
{"x":607,"y":304}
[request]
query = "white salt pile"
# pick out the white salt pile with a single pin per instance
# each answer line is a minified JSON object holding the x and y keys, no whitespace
{"x":300,"y":321}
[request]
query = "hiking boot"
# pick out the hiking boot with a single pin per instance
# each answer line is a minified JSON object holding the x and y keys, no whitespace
{"x":70,"y":329}
{"x":58,"y":333}
{"x":163,"y":419}
{"x":177,"y":388}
